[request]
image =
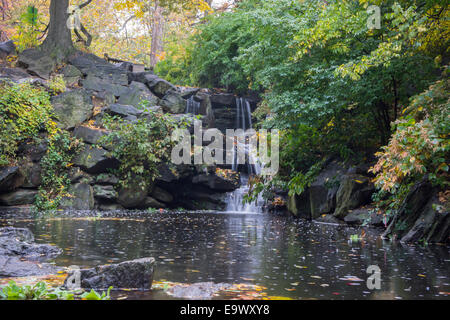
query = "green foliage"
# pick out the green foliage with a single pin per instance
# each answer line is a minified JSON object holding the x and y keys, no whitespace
{"x":37,"y":292}
{"x":93,"y":295}
{"x":140,"y":146}
{"x":418,"y":147}
{"x":301,"y":181}
{"x":24,"y":112}
{"x":27,"y":29}
{"x":40,"y":291}
{"x":55,"y":167}
{"x":57,"y":84}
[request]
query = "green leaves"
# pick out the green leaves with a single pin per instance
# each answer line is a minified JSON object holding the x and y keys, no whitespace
{"x":93,"y":295}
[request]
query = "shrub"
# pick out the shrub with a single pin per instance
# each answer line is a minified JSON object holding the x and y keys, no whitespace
{"x":24,"y":112}
{"x":140,"y":146}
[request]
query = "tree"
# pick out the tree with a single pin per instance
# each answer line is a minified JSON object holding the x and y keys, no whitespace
{"x":59,"y":40}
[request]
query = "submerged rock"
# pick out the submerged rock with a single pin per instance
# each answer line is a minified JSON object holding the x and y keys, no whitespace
{"x":134,"y":274}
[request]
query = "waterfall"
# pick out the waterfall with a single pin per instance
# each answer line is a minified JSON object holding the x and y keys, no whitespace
{"x":235,"y":199}
{"x":192,"y":106}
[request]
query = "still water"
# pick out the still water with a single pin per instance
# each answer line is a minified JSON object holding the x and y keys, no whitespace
{"x":289,"y":258}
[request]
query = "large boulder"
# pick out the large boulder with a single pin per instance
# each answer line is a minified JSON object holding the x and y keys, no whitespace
{"x":37,"y":62}
{"x":18,"y":197}
{"x":158,"y":86}
{"x":134,"y":274}
{"x":223,"y":99}
{"x":7,"y":48}
{"x":218,"y":182}
{"x":95,"y":160}
{"x":72,"y":108}
{"x":115,"y":86}
{"x":169,"y":173}
{"x":124,"y":111}
{"x":105,"y":179}
{"x":10,"y":178}
{"x":90,"y":64}
{"x":72,"y":75}
{"x":81,"y":197}
{"x":421,"y":217}
{"x":134,"y":196}
{"x":362,"y":216}
{"x":172,"y":102}
{"x":354,"y":191}
{"x":137,"y":93}
{"x":299,"y":205}
{"x":88,"y":134}
{"x":20,"y":257}
{"x":161,"y":195}
{"x":150,"y":202}
{"x":323,"y":189}
{"x":105,"y":192}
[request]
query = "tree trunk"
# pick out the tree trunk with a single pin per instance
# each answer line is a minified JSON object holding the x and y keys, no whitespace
{"x":59,"y":40}
{"x":157,"y":35}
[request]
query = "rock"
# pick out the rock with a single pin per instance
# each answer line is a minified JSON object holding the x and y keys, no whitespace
{"x":364,"y":216}
{"x":72,"y":108}
{"x":20,"y":257}
{"x":158,"y":86}
{"x":186,"y":93}
{"x":14,"y":74}
{"x":105,"y":178}
{"x":150,"y":202}
{"x":328,"y":218}
{"x":172,"y":102}
{"x":88,"y":134}
{"x":18,"y":197}
{"x":323,"y":189}
{"x":122,"y":110}
{"x":421,"y":217}
{"x":81,"y":197}
{"x":110,"y":207}
{"x":72,"y":75}
{"x":134,"y":196}
{"x":10,"y":178}
{"x":90,"y":64}
{"x":111,"y":85}
{"x":21,"y":234}
{"x":161,"y":195}
{"x":170,"y":173}
{"x":223,"y":99}
{"x":105,"y":192}
{"x":203,"y":199}
{"x":13,"y":267}
{"x":136,"y":94}
{"x":37,"y":62}
{"x":134,"y":274}
{"x":95,"y":160}
{"x":299,"y":205}
{"x":354,"y":191}
{"x":7,"y":48}
{"x":218,"y":183}
{"x":34,"y":151}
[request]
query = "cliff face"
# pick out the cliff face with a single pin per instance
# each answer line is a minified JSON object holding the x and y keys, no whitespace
{"x":95,"y":88}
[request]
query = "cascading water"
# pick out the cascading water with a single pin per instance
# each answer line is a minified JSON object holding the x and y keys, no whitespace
{"x":192,"y":106}
{"x":235,"y":199}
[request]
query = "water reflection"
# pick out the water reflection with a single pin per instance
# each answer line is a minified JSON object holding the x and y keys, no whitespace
{"x":291,"y":258}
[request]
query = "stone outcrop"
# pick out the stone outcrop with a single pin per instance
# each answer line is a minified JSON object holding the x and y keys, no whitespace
{"x":21,"y":257}
{"x":134,"y":274}
{"x":72,"y":108}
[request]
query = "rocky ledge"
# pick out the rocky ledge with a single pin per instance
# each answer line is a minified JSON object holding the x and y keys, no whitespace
{"x":21,"y":257}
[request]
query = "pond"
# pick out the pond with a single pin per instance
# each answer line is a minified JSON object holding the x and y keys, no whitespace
{"x":281,"y":256}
